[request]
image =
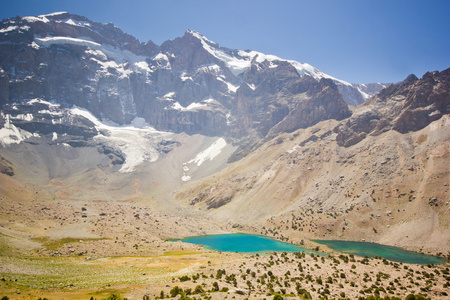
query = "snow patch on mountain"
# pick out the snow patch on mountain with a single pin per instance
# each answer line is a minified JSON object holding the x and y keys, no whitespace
{"x":121,"y":69}
{"x":184,"y":77}
{"x":365,"y":95}
{"x":185,"y":177}
{"x":137,"y":141}
{"x":97,"y":53}
{"x":12,"y":28}
{"x":208,"y":154}
{"x":54,"y":14}
{"x":75,"y":23}
{"x":231,"y":88}
{"x":24,"y":117}
{"x":293,"y":149}
{"x":236,"y":65}
{"x":169,"y":96}
{"x":8,"y":29}
{"x":143,"y":65}
{"x":118,"y":55}
{"x":192,"y":106}
{"x":41,"y":18}
{"x":10,"y":134}
{"x":58,"y":40}
{"x":162,"y":60}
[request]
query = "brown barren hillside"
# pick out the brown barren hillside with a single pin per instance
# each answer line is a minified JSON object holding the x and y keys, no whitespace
{"x":392,"y":188}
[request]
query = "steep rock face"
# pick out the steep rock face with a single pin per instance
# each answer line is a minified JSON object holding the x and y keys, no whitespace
{"x":426,"y":100}
{"x":408,"y":106}
{"x":324,"y":103}
{"x":260,"y":104}
{"x":207,"y":121}
{"x":189,"y":84}
{"x":282,"y":101}
{"x":4,"y":87}
{"x":74,"y":61}
{"x":57,"y":58}
{"x":40,"y":118}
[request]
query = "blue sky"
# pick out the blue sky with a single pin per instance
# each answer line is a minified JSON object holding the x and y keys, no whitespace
{"x":354,"y":40}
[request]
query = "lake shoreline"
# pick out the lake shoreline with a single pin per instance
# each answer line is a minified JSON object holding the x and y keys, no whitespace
{"x":249,"y":243}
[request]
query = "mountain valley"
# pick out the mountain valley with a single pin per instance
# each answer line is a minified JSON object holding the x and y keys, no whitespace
{"x":109,"y":147}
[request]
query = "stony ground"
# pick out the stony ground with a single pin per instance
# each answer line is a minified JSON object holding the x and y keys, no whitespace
{"x":221,"y":276}
{"x":78,"y":250}
{"x":94,"y":233}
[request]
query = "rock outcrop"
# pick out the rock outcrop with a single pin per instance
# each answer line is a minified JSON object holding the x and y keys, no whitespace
{"x":42,"y":118}
{"x":4,"y":87}
{"x":407,"y":106}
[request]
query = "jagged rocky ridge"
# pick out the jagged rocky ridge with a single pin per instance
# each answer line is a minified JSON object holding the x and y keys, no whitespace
{"x":407,"y":106}
{"x":189,"y":84}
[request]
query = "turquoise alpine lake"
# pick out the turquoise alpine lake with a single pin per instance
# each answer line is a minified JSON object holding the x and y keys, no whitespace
{"x":251,"y":243}
{"x":245,"y":243}
{"x":387,"y":252}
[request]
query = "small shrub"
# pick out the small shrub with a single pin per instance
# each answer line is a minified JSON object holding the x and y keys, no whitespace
{"x":277,"y":297}
{"x":175,"y":291}
{"x":198,"y":289}
{"x":415,"y":297}
{"x":215,"y":286}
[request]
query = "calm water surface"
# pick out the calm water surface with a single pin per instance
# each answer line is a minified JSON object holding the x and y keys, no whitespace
{"x":250,"y":243}
{"x":240,"y":242}
{"x":387,"y":252}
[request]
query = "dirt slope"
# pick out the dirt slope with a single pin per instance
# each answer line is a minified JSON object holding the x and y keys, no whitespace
{"x":392,"y":188}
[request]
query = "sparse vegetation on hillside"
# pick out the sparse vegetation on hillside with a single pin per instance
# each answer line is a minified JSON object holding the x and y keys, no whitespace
{"x":218,"y":275}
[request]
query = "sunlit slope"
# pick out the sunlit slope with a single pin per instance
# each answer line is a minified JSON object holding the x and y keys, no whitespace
{"x":391,"y":188}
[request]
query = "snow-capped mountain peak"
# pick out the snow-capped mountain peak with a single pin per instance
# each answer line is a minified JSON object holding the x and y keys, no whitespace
{"x":238,"y":61}
{"x":72,"y":60}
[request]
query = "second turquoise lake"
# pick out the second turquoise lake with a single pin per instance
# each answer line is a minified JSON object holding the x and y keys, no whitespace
{"x":388,"y":252}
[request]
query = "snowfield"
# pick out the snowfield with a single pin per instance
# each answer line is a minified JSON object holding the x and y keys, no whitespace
{"x":211,"y":152}
{"x":10,"y":134}
{"x":208,"y":154}
{"x":118,"y":55}
{"x":138,"y":142}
